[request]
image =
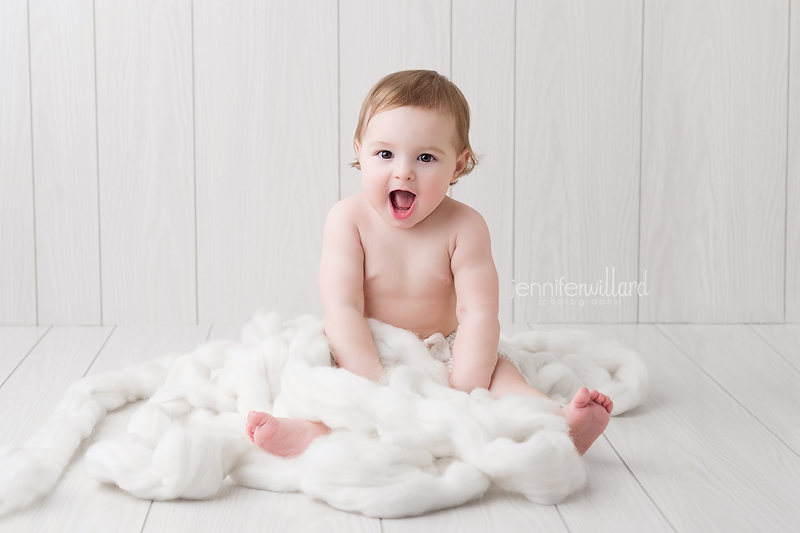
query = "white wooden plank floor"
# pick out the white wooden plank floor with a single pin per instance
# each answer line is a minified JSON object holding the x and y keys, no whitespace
{"x":716,"y":446}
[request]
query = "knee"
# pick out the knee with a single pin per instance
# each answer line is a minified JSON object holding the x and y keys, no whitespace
{"x":505,"y":373}
{"x":474,"y":378}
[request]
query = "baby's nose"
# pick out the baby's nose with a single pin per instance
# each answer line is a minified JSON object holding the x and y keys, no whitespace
{"x":404,"y":172}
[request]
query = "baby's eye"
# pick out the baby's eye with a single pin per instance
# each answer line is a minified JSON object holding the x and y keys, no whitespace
{"x":385,"y":154}
{"x":427,"y":158}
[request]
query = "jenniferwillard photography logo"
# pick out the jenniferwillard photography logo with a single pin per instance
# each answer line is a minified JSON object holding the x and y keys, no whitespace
{"x":570,"y":293}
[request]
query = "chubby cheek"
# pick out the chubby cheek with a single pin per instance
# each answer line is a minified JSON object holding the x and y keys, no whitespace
{"x":369,"y":184}
{"x":376,"y":195}
{"x":436,"y":190}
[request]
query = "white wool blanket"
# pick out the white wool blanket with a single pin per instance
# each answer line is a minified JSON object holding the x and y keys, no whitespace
{"x":402,"y":447}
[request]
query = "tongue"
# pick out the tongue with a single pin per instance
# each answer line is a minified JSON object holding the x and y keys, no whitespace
{"x":403,"y":199}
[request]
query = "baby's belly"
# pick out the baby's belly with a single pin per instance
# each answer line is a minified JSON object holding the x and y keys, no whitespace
{"x":422,"y":315}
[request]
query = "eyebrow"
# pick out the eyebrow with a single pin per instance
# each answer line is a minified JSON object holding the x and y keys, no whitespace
{"x":424,"y":149}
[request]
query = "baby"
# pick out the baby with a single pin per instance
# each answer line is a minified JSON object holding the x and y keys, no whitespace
{"x":405,"y":253}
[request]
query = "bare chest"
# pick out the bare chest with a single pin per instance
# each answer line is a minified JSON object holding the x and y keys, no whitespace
{"x":407,"y":268}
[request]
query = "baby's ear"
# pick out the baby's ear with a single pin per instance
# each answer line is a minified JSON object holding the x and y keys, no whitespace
{"x":461,"y":162}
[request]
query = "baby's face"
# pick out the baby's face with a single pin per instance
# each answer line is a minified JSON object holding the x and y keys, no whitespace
{"x":408,"y":149}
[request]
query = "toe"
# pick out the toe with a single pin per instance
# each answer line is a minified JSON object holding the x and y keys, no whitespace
{"x":256,"y":418}
{"x":581,"y":397}
{"x":600,"y":398}
{"x":610,"y":407}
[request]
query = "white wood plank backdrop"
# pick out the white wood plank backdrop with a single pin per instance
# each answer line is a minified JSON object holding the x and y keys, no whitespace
{"x":172,"y":162}
{"x":65,"y":161}
{"x":144,"y":109}
{"x":578,"y":73}
{"x":483,"y":68}
{"x":714,"y":160}
{"x":793,"y":173}
{"x":17,"y":234}
{"x":266,"y":130}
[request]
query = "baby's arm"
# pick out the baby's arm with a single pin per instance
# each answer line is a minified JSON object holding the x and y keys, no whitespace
{"x":341,"y":283}
{"x":477,"y":307}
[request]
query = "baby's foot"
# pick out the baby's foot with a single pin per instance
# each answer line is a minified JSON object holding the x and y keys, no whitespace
{"x":588,"y":416}
{"x":285,"y":437}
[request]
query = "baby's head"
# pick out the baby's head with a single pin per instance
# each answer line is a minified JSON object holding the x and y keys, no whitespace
{"x":425,"y":89}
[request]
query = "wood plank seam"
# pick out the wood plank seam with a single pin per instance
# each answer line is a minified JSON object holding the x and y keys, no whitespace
{"x":33,"y":170}
{"x":723,"y":389}
{"x":97,"y":164}
{"x":100,"y":350}
{"x":641,"y":133}
{"x":144,"y":522}
{"x":26,"y":355}
{"x":450,"y":46}
{"x":562,"y":519}
{"x":646,"y":493}
{"x":194,"y":177}
{"x":762,"y":337}
{"x":514,"y":162}
{"x":786,"y":169}
{"x":338,"y":102}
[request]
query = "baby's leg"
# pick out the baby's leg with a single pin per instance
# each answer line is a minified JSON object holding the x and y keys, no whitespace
{"x":506,"y":379}
{"x":588,"y":412}
{"x":285,"y":437}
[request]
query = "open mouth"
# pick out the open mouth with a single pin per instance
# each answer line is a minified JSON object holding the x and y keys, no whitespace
{"x":402,"y":203}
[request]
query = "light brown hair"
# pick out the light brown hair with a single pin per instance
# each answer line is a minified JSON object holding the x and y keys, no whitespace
{"x":426,"y":89}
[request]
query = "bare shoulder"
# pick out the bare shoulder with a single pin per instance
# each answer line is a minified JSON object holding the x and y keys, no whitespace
{"x":341,"y":233}
{"x":472,"y":264}
{"x":342,"y":260}
{"x":466,"y":223}
{"x":346,"y":209}
{"x":347,"y":213}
